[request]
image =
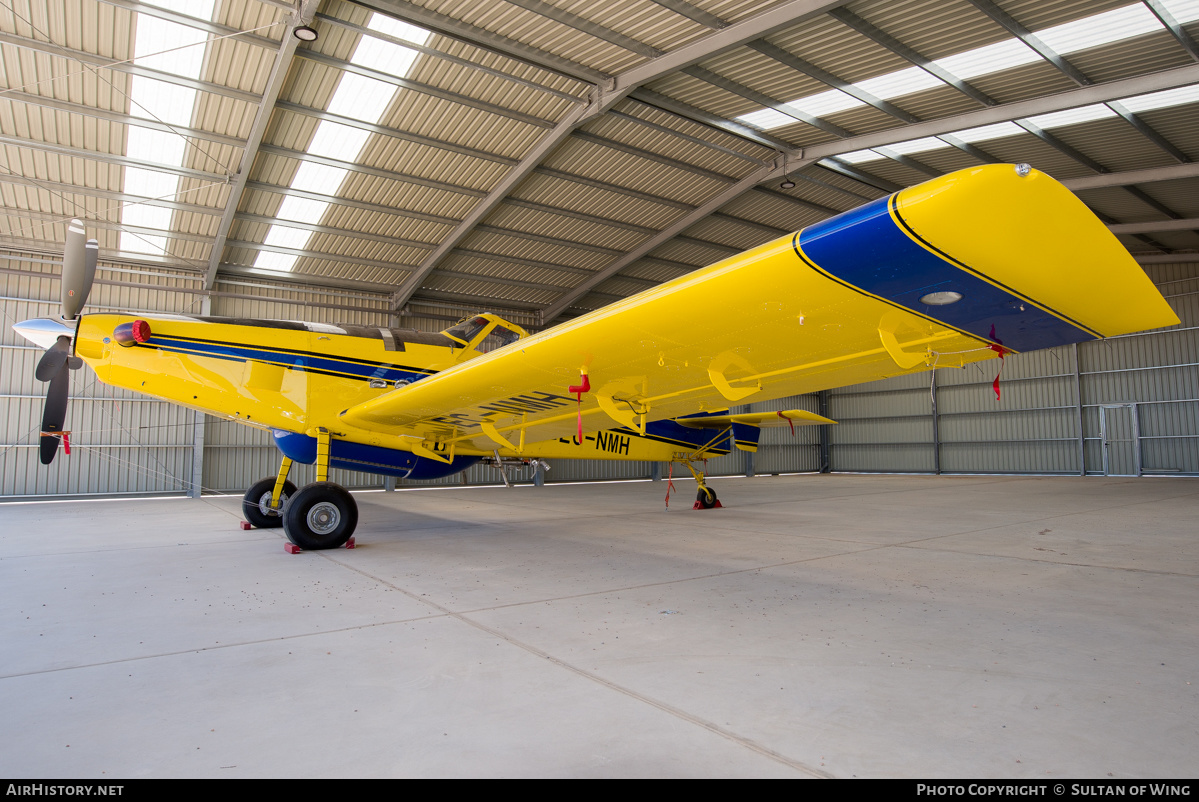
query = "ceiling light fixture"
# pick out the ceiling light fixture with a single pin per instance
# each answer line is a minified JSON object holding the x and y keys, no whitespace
{"x":305,"y":33}
{"x":787,"y":182}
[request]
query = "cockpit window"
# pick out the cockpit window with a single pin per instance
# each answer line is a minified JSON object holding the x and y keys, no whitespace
{"x":467,"y":330}
{"x":497,"y":338}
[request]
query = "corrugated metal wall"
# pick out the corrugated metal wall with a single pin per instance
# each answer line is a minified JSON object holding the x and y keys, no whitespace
{"x":1141,"y":391}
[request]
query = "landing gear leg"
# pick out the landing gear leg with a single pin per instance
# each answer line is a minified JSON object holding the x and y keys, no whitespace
{"x":263,"y":503}
{"x":705,"y":497}
{"x":321,"y":515}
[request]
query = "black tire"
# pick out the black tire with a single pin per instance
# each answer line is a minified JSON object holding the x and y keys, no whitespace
{"x":256,"y":503}
{"x":321,"y":516}
{"x":706,"y":497}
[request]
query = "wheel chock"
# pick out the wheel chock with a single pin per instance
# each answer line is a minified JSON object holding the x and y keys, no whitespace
{"x":292,"y":548}
{"x":245,"y":525}
{"x":350,"y":543}
{"x":716,"y":506}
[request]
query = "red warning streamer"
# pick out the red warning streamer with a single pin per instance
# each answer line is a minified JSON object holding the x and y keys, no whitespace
{"x":669,"y":485}
{"x":998,"y":348}
{"x":66,"y":443}
{"x":578,"y":390}
{"x":790,"y":422}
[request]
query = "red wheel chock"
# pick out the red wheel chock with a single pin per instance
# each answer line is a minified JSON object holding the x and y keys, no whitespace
{"x":245,"y":525}
{"x":292,"y":548}
{"x":716,"y":506}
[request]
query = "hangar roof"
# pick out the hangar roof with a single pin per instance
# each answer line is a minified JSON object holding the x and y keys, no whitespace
{"x":552,"y":156}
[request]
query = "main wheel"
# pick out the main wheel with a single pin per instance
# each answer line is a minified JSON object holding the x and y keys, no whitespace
{"x":706,"y":497}
{"x":256,"y":503}
{"x":321,"y":516}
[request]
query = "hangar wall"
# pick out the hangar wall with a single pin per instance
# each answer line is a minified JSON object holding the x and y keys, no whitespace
{"x":1142,"y":391}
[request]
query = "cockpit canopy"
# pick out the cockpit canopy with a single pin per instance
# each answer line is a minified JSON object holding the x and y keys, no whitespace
{"x":484,"y":332}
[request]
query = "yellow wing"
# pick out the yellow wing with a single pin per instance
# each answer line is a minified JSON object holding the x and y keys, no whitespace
{"x":952,"y":271}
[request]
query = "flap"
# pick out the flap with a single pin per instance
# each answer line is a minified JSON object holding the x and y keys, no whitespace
{"x":798,"y":417}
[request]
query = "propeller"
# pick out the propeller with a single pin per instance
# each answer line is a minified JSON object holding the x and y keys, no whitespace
{"x":78,"y":273}
{"x":78,"y":269}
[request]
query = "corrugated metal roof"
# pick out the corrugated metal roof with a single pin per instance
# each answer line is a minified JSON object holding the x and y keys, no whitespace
{"x":639,"y":167}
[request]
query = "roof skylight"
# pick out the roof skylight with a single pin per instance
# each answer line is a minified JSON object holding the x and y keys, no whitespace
{"x":989,"y":59}
{"x":164,"y":102}
{"x":1088,"y":32}
{"x":357,"y":97}
{"x":1100,"y":29}
{"x":896,"y":84}
{"x":1082,"y":114}
{"x":1058,"y":119}
{"x":1161,"y":100}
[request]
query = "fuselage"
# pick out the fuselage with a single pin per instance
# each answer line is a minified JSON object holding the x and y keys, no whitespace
{"x":293,"y":378}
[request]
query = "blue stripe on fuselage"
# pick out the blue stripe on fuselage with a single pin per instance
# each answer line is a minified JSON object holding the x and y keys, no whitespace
{"x":867,"y":250}
{"x":313,"y":363}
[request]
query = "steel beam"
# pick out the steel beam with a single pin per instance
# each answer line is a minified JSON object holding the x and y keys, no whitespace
{"x":674,"y":132}
{"x":287,"y":48}
{"x":395,"y":133}
{"x":1061,"y":101}
{"x":687,"y":112}
{"x":483,"y":39}
{"x":542,"y":238}
{"x":304,"y":253}
{"x":1166,"y":258}
{"x":574,"y":21}
{"x":732,"y":87}
{"x":685,"y":9}
{"x":259,"y":186}
{"x":110,"y":158}
{"x":1184,"y":224}
{"x":121,"y":117}
{"x":604,"y":99}
{"x":1149,"y":132}
{"x":1159,"y":10}
{"x":679,"y":226}
{"x":397,"y":242}
{"x":612,"y":144}
{"x":812,"y":71}
{"x":595,"y":183}
{"x":1146,"y":176}
{"x":107,"y":194}
{"x":424,"y":89}
{"x":444,"y":56}
{"x":1114,"y":90}
{"x":588,"y":218}
{"x":364,"y":169}
{"x":216,"y":29}
{"x":884,"y":39}
{"x":131,"y":68}
{"x":108,"y":225}
{"x":1029,"y":38}
{"x":520,"y":260}
{"x":320,"y":282}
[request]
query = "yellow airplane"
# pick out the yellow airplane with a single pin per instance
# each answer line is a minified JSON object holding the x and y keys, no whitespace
{"x":991,"y":260}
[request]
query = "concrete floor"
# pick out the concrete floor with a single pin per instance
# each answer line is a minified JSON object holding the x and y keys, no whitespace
{"x":844,"y":626}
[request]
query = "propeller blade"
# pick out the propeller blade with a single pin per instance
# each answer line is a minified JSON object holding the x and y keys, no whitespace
{"x":52,"y":361}
{"x":78,"y":269}
{"x":55,"y":413}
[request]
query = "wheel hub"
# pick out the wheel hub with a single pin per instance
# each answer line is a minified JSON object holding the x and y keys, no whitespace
{"x":323,"y":518}
{"x":264,"y":505}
